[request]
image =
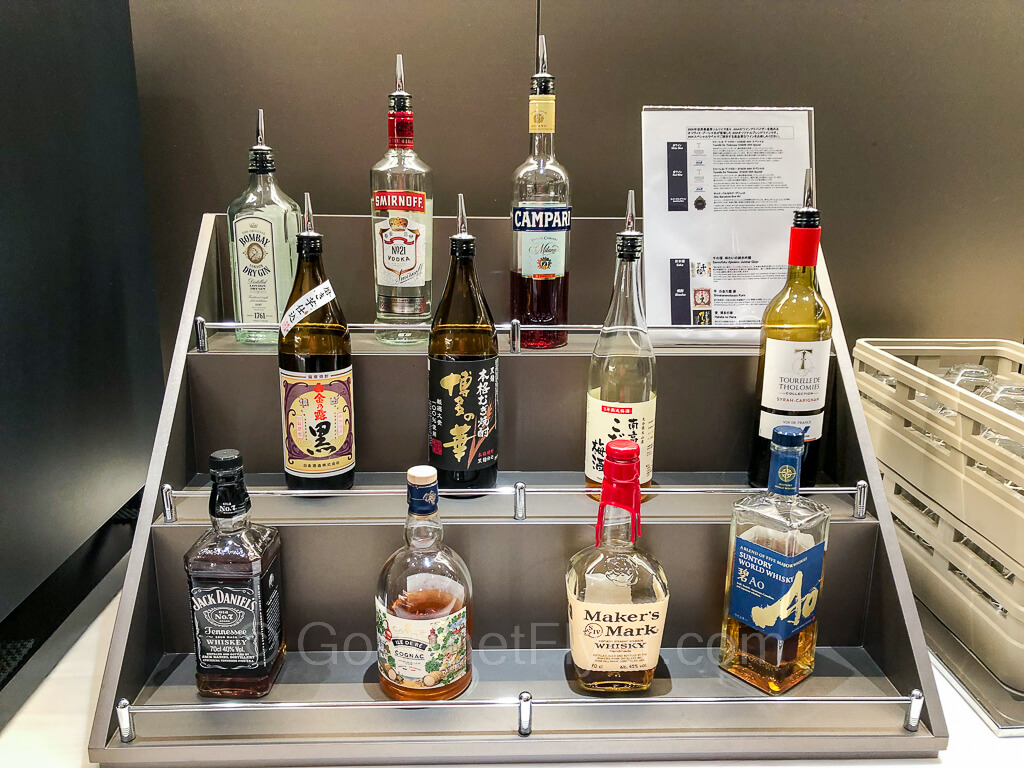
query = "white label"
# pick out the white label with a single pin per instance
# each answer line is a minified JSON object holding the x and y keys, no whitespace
{"x":254,"y":259}
{"x":619,"y":637}
{"x":795,"y":375}
{"x":422,"y":653}
{"x":308,"y":302}
{"x":607,"y":421}
{"x":810,"y":423}
{"x":400,"y":242}
{"x":542,"y":254}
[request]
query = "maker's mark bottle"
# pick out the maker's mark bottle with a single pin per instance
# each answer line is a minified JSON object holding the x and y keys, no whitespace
{"x":462,"y":368}
{"x":314,"y":354}
{"x":234,"y":581}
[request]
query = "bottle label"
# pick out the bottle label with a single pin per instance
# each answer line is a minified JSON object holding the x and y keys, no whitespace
{"x":542,"y":113}
{"x":422,"y":653}
{"x":616,"y":637}
{"x":237,"y":624}
{"x":795,"y":380}
{"x":463,"y":429}
{"x":318,"y":436}
{"x":542,"y":236}
{"x":784,"y":473}
{"x":401,"y":235}
{"x":308,"y":302}
{"x":254,"y":258}
{"x":607,"y":421}
{"x":775,"y":594}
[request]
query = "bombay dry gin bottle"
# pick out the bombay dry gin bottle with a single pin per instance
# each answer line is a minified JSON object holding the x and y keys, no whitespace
{"x":618,"y":594}
{"x":541,"y":220}
{"x":792,"y":372}
{"x":402,"y":217}
{"x":424,"y":605}
{"x":776,"y":554}
{"x":622,"y":384}
{"x":314,"y":355}
{"x":234,"y":582}
{"x":262,"y":227}
{"x":462,"y":369}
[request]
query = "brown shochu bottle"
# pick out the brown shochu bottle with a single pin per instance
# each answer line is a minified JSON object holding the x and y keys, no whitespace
{"x":463,"y":375}
{"x":314,"y":354}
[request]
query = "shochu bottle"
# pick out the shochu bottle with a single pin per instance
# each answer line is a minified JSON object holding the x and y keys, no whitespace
{"x":463,"y":375}
{"x":314,"y":354}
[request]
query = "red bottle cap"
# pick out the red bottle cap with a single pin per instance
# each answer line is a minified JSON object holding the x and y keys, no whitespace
{"x":803,"y":246}
{"x":621,"y":485}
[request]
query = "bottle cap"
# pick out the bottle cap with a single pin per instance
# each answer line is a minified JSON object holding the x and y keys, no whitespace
{"x":421,"y":474}
{"x":622,"y":450}
{"x":225,"y":460}
{"x":261,"y":157}
{"x":788,"y":437}
{"x":399,"y":100}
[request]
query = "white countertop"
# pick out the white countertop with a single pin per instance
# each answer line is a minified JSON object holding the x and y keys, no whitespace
{"x":52,"y":728}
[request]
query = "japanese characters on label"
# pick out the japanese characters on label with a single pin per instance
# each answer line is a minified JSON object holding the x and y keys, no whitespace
{"x":607,"y":421}
{"x":318,"y":436}
{"x":463,"y":418}
{"x":308,"y":302}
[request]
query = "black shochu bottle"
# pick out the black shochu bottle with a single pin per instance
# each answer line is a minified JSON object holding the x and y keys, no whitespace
{"x":314,"y":354}
{"x":463,"y":375}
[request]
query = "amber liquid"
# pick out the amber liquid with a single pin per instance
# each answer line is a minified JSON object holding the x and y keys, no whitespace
{"x":607,"y":681}
{"x":430,"y":604}
{"x":765,"y":662}
{"x":541,"y":302}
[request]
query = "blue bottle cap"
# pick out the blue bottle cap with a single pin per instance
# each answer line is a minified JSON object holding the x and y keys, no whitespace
{"x":788,"y":437}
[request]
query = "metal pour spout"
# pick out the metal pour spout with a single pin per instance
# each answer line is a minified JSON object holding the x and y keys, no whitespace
{"x":809,"y":189}
{"x":307,"y":216}
{"x":399,"y":74}
{"x":631,"y":212}
{"x":462,"y":227}
{"x":260,"y":132}
{"x":542,"y":55}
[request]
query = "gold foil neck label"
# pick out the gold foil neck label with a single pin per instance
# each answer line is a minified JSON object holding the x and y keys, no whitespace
{"x":616,"y":637}
{"x":542,"y":113}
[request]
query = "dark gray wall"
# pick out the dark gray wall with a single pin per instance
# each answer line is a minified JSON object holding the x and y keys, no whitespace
{"x":80,"y":375}
{"x":918,"y":113}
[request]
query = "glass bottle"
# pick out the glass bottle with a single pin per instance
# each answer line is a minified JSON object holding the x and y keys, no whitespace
{"x":618,"y":594}
{"x":796,"y":338}
{"x":541,"y":220}
{"x":314,"y":354}
{"x":777,"y":547}
{"x":462,"y":368}
{"x":402,"y":217}
{"x":424,"y":606}
{"x":262,"y":227}
{"x":234,"y":581}
{"x":622,"y":383}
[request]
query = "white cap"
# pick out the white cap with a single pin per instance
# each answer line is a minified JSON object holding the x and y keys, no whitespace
{"x":422,"y":474}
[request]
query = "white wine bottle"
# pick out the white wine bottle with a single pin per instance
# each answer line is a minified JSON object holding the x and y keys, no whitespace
{"x":622,"y":385}
{"x":796,"y":338}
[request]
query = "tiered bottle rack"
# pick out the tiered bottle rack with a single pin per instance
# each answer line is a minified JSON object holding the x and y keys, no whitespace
{"x":872,"y":693}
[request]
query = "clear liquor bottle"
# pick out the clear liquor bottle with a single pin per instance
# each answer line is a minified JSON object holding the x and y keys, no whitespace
{"x":777,"y":547}
{"x":618,"y":594}
{"x":796,"y":338}
{"x":424,"y":606}
{"x":234,"y":581}
{"x":314,"y":356}
{"x":622,"y":383}
{"x":262,"y":227}
{"x":462,"y":372}
{"x":541,"y":222}
{"x":402,"y":217}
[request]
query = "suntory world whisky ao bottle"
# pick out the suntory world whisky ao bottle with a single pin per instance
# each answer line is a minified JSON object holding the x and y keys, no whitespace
{"x":618,"y":594}
{"x":402,"y":219}
{"x":314,"y":355}
{"x":776,"y":556}
{"x":262,"y":227}
{"x":424,"y":605}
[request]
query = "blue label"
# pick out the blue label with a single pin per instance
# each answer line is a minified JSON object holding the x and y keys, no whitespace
{"x":784,"y":473}
{"x":546,"y":218}
{"x":422,"y":499}
{"x":773,"y":593}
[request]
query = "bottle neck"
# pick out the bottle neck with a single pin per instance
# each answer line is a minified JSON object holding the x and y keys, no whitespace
{"x":626,"y":308}
{"x":803,"y":247}
{"x":616,"y":528}
{"x":802,"y":276}
{"x":542,"y":145}
{"x":400,"y":130}
{"x":424,"y":531}
{"x":618,"y":514}
{"x":261,"y":179}
{"x":784,"y":470}
{"x":232,"y":524}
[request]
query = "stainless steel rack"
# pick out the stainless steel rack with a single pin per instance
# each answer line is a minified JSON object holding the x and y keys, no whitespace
{"x":872,"y":693}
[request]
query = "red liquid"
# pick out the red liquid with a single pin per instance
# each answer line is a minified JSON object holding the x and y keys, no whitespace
{"x":542,"y":301}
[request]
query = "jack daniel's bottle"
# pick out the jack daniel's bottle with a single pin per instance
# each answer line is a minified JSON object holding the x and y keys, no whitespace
{"x":541,"y":219}
{"x":402,"y":217}
{"x":314,"y":354}
{"x":234,"y":580}
{"x":462,"y":368}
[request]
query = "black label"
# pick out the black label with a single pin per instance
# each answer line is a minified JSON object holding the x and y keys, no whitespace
{"x":678,"y":194}
{"x":237,"y":623}
{"x":463,"y":429}
{"x":679,"y":284}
